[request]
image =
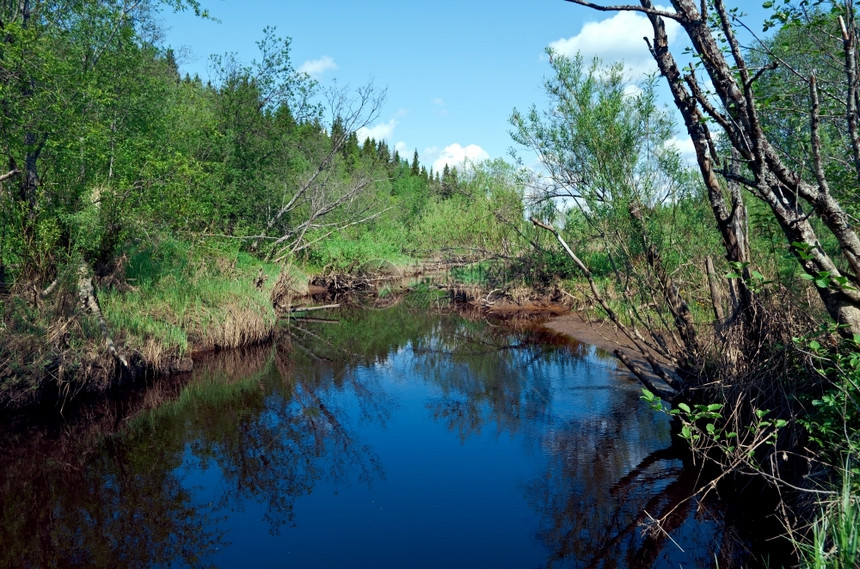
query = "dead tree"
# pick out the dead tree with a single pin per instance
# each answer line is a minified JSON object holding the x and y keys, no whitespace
{"x":323,"y":194}
{"x":793,"y":195}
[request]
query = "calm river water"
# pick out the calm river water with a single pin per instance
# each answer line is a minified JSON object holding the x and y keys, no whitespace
{"x":396,"y":437}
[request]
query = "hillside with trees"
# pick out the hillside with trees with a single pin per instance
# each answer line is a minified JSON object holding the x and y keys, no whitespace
{"x":139,"y":207}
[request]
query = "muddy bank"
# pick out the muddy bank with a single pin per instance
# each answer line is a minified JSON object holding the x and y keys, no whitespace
{"x":599,"y":333}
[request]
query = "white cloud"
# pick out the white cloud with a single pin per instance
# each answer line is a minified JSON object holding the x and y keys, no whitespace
{"x":401,"y":147}
{"x":454,"y":155}
{"x":617,"y":38}
{"x":684,"y":146}
{"x":382,"y":131}
{"x":316,"y":67}
{"x":632,"y":90}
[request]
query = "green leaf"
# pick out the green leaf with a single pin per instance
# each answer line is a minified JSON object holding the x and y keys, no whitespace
{"x":715,"y":406}
{"x":710,"y":427}
{"x":684,"y":407}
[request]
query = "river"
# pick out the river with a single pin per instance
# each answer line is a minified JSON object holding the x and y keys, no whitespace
{"x":395,"y":436}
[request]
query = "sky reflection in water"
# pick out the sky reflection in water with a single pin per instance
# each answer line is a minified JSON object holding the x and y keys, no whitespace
{"x":397,"y":438}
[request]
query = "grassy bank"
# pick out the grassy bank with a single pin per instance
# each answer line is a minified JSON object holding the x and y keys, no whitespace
{"x":162,"y":304}
{"x":182,"y":299}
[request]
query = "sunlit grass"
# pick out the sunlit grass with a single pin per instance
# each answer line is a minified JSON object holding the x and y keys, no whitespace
{"x":836,"y":533}
{"x":190,"y":299}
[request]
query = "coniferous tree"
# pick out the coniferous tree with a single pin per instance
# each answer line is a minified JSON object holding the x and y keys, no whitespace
{"x":368,"y":149}
{"x":382,"y":153}
{"x":415,"y":169}
{"x":445,"y":188}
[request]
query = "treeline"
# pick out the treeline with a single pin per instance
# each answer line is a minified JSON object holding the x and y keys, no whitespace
{"x":134,"y":198}
{"x":108,"y":145}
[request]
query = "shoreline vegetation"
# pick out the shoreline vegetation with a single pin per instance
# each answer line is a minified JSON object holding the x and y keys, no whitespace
{"x":160,"y":327}
{"x":147,"y":217}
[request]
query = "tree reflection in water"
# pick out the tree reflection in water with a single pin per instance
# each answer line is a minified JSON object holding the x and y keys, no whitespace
{"x":117,"y":503}
{"x":151,"y":485}
{"x":599,"y":487}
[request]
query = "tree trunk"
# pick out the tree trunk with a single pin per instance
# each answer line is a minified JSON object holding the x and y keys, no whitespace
{"x":716,"y":295}
{"x":772,"y":181}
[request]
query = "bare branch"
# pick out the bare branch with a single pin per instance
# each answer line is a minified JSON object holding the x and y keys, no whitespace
{"x":769,"y":67}
{"x":631,"y":8}
{"x":9,"y":174}
{"x":598,"y":296}
{"x":850,"y":51}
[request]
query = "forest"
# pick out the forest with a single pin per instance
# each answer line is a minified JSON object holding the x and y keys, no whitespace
{"x":147,"y":216}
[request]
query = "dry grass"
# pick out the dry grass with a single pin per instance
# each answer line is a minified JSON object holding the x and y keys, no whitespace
{"x":185,"y":302}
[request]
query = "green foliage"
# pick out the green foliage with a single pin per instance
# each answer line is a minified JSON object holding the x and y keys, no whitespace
{"x":546,"y":266}
{"x":835,"y":540}
{"x":833,"y":417}
{"x":482,"y":218}
{"x":615,"y":187}
{"x":706,"y":429}
{"x":804,"y":46}
{"x":343,"y":255}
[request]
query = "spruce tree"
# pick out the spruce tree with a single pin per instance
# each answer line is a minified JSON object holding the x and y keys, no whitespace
{"x":415,"y":166}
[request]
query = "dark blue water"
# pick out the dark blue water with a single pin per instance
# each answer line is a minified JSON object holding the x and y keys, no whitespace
{"x":396,"y":438}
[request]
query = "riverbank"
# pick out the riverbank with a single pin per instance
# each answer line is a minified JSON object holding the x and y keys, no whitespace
{"x":162,"y":305}
{"x":165,"y":306}
{"x":599,"y":333}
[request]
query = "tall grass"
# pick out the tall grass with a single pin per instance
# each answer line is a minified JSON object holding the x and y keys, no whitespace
{"x":190,"y":297}
{"x":836,"y":532}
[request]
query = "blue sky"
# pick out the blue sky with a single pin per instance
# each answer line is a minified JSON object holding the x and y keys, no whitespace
{"x":453,"y":70}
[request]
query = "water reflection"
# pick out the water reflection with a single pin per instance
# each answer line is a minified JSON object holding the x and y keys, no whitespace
{"x":113,"y":504}
{"x":257,"y":461}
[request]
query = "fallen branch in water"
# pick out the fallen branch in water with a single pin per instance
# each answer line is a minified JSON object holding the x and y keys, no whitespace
{"x":312,"y":308}
{"x":315,"y":320}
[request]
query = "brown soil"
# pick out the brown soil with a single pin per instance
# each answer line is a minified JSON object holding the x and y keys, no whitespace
{"x":507,"y":309}
{"x":599,"y":333}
